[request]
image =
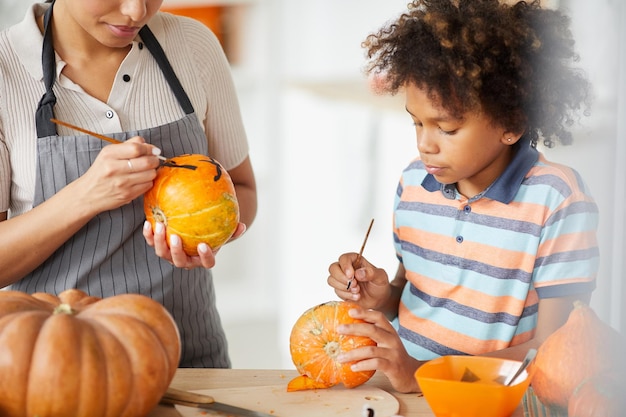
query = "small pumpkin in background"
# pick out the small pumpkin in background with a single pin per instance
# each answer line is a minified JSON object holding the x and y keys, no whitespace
{"x":582,"y":348}
{"x":81,"y":356}
{"x":314,"y":345}
{"x":601,"y":395}
{"x":194,"y":197}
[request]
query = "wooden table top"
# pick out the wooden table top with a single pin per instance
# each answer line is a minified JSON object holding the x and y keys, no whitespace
{"x":411,"y":405}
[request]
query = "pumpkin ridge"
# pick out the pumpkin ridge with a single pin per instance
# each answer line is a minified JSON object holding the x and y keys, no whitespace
{"x":225,"y":198}
{"x":91,"y":358}
{"x":14,"y":389}
{"x":48,"y":391}
{"x":327,"y":366}
{"x":116,"y":382}
{"x":11,"y":303}
{"x":175,"y":228}
{"x":143,"y":368}
{"x":145,"y":310}
{"x":122,"y":317}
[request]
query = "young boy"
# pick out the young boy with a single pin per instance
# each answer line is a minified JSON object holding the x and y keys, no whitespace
{"x":494,"y":241}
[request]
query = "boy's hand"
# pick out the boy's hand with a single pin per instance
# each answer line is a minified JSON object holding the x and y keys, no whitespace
{"x":369,"y":287}
{"x":389,"y":355}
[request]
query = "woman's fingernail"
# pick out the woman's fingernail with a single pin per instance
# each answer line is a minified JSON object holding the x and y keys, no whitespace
{"x":203,"y":248}
{"x":159,"y":228}
{"x":174,"y":240}
{"x":156,"y":151}
{"x":147,"y":226}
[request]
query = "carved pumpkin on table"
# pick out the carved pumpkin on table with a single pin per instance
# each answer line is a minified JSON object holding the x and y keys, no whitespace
{"x":314,"y":346}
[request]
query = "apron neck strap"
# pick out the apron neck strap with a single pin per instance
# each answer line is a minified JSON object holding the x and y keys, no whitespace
{"x":157,"y":52}
{"x":45,"y":109}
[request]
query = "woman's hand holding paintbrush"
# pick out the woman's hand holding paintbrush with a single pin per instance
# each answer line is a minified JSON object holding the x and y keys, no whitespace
{"x":117,"y":175}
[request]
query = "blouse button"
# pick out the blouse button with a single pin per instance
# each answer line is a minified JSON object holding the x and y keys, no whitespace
{"x":126,"y":77}
{"x":467,"y":209}
{"x":109,"y":114}
{"x":459,"y":239}
{"x":140,"y":45}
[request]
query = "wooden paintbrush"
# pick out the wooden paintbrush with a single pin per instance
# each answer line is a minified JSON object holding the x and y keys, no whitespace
{"x":358,"y":258}
{"x":94,"y":134}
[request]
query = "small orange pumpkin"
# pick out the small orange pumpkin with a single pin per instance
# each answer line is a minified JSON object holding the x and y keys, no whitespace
{"x":315,"y":344}
{"x":81,"y":356}
{"x":598,"y":396}
{"x":194,"y":197}
{"x":582,"y":347}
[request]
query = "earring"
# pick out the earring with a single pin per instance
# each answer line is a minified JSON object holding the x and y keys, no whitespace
{"x":509,"y":139}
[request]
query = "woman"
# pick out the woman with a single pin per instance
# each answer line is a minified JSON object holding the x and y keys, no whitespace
{"x":71,"y":212}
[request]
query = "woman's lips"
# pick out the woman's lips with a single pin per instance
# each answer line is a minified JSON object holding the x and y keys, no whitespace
{"x":124,"y":31}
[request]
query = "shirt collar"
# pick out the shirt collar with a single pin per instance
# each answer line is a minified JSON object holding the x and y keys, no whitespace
{"x":505,"y":187}
{"x":27,"y":40}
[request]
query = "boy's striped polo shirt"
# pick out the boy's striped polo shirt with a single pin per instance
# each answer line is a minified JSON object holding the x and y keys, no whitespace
{"x":476,"y":268}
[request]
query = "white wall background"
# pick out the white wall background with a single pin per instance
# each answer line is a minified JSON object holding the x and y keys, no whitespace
{"x":327,"y":156}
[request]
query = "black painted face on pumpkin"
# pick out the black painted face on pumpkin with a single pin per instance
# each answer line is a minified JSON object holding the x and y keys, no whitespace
{"x":171,"y":163}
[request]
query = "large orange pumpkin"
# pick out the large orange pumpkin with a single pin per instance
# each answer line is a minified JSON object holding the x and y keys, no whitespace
{"x":80,"y":356}
{"x":583,"y":347}
{"x":314,"y":346}
{"x":194,"y":197}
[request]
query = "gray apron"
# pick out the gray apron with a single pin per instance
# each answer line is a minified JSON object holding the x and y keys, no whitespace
{"x":109,"y":255}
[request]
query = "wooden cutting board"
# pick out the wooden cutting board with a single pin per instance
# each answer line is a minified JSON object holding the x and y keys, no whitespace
{"x":275,"y":400}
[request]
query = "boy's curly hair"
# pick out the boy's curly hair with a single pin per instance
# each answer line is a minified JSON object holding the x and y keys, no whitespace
{"x":511,"y":62}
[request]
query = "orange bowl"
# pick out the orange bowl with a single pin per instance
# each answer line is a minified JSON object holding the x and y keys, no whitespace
{"x":471,"y":386}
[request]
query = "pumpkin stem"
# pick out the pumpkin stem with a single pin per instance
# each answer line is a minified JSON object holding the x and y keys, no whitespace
{"x":332,"y":349}
{"x":64,"y":308}
{"x":159,"y":216}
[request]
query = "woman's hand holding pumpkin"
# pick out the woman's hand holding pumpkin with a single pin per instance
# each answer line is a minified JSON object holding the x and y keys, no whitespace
{"x":173,"y":252}
{"x":389,"y":355}
{"x":370,"y":286}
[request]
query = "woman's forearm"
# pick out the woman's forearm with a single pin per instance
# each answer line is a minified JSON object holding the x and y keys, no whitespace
{"x":29,"y":239}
